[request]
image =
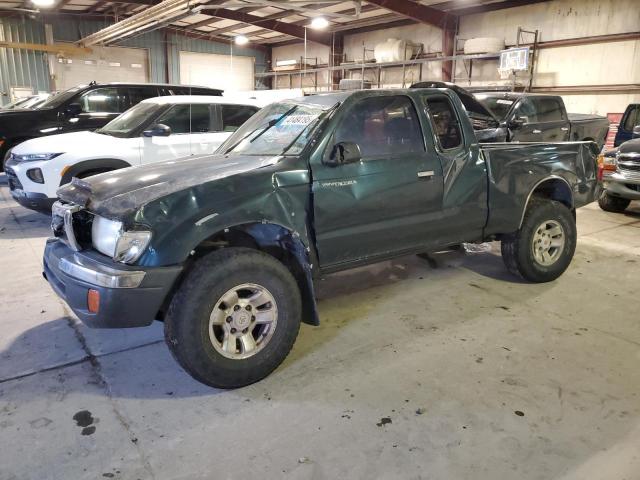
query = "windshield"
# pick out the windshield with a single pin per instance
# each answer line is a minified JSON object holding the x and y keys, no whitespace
{"x":57,"y":100}
{"x":130,"y":120}
{"x":277,"y":129}
{"x":16,"y":103}
{"x":499,"y":106}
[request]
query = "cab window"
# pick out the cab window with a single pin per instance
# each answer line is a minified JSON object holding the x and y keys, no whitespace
{"x":138,"y":94}
{"x":526,"y":111}
{"x":633,"y":119}
{"x":186,"y":118}
{"x":104,"y":100}
{"x":444,"y":122}
{"x":233,"y":116}
{"x":548,"y":109}
{"x":382,"y":126}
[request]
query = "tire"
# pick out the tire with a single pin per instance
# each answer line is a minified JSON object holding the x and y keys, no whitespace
{"x":187,"y":328}
{"x":612,"y":204}
{"x":540,"y":224}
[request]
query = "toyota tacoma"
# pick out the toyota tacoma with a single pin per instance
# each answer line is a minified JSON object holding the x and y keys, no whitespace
{"x":226,"y":248}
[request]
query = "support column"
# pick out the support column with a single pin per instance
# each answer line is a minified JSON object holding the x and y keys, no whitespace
{"x":448,"y":47}
{"x":335,"y":58}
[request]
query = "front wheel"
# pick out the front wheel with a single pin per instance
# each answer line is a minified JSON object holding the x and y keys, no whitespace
{"x":543,"y":247}
{"x":235,"y":317}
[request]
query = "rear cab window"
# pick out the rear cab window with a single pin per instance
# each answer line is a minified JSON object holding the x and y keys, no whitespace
{"x":444,"y":122}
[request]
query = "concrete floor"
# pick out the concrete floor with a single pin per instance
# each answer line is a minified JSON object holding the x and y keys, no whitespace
{"x":453,"y":372}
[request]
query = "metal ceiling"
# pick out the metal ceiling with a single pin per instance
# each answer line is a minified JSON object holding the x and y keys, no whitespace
{"x":267,"y":22}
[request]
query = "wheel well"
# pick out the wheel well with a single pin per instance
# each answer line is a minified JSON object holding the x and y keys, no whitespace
{"x":588,"y":139}
{"x":275,"y":240}
{"x":93,"y":167}
{"x":552,"y":189}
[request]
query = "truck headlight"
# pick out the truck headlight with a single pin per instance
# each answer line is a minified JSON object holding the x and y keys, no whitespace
{"x":109,"y":238}
{"x":35,"y":157}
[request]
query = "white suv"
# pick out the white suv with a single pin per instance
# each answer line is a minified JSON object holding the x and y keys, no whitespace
{"x":157,"y":129}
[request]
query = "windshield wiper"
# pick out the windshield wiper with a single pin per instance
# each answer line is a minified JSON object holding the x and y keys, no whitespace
{"x":269,"y":125}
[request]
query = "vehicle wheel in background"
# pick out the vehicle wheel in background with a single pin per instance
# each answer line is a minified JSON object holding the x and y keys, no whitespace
{"x":612,"y":204}
{"x":235,"y":317}
{"x":543,"y":247}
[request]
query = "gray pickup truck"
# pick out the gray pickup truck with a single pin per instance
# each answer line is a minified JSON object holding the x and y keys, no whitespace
{"x":531,"y":117}
{"x":619,"y":172}
{"x":225,"y":248}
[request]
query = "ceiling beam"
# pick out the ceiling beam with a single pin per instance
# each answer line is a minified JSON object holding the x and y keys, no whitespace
{"x":275,"y":16}
{"x":274,"y":25}
{"x":418,"y":12}
{"x":490,"y":7}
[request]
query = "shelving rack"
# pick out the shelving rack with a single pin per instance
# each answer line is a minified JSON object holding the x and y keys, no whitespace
{"x":377,"y":67}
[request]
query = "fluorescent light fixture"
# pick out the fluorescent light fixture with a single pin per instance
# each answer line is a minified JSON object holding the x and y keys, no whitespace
{"x":319,"y":23}
{"x":43,"y":3}
{"x":241,"y":40}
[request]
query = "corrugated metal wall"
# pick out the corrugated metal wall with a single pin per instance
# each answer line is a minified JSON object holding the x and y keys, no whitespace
{"x":28,"y":68}
{"x":22,"y":68}
{"x":72,"y":30}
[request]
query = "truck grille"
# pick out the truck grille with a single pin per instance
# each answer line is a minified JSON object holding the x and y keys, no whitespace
{"x":629,"y":161}
{"x":71,"y":224}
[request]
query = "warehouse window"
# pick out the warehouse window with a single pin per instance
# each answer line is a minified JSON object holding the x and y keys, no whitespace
{"x":104,"y":100}
{"x":444,"y":122}
{"x":233,"y":116}
{"x":382,"y":126}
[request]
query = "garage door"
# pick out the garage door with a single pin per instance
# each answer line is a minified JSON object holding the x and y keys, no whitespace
{"x":103,"y":64}
{"x":218,"y":71}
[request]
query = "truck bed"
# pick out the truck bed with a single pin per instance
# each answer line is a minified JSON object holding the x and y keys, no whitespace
{"x":514,"y":170}
{"x":583,"y":117}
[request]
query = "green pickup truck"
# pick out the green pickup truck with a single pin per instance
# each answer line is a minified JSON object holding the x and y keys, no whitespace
{"x":225,"y":248}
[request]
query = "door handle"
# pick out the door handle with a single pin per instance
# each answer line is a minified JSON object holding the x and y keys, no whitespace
{"x":426,"y":174}
{"x":536,"y":131}
{"x":564,"y":129}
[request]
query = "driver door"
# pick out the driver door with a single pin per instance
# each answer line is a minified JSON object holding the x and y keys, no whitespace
{"x":384,"y":203}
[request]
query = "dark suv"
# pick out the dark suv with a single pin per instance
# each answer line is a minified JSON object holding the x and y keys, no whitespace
{"x":85,"y":107}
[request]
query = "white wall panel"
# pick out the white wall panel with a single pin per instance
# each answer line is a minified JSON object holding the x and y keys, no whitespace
{"x":218,"y":71}
{"x":103,"y":64}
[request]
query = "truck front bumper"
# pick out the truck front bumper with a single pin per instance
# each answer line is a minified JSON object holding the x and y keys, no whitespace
{"x":623,"y":186}
{"x":129,"y":296}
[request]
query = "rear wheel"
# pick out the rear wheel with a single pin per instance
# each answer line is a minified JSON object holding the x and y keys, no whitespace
{"x":234,"y":318}
{"x":543,"y":247}
{"x":612,"y":204}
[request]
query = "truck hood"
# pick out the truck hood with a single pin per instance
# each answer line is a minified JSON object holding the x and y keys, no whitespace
{"x":67,"y":142}
{"x":630,"y":146}
{"x":121,"y":192}
{"x":18,"y":113}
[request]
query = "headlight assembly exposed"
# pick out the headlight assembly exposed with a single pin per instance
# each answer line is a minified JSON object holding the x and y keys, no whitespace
{"x":131,"y":245}
{"x":109,"y":238}
{"x":35,"y":157}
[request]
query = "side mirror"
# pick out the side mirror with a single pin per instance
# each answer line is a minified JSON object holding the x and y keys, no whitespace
{"x":157,"y":130}
{"x":636,"y":132}
{"x":517,"y":122}
{"x":344,"y":152}
{"x":73,"y":109}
